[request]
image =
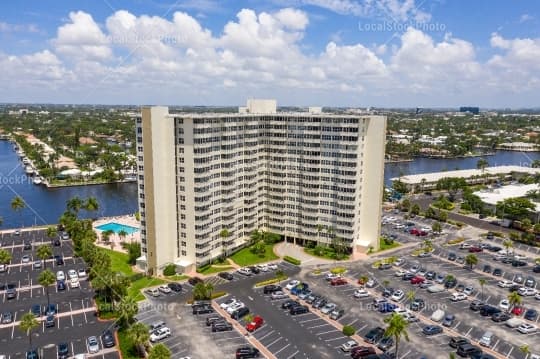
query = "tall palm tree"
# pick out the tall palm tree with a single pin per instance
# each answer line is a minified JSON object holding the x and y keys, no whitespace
{"x":18,"y":204}
{"x":75,"y":204}
{"x":27,"y":324}
{"x":514,"y":299}
{"x":471,"y":260}
{"x":411,"y":295}
{"x":91,"y":204}
{"x":203,"y":291}
{"x":44,"y":252}
{"x":5,"y":256}
{"x":159,"y":351}
{"x":508,"y":244}
{"x":122,"y":234}
{"x":224,"y":234}
{"x":397,"y":328}
{"x":482,"y":282}
{"x":47,"y":278}
{"x":139,"y":335}
{"x":127,"y":310}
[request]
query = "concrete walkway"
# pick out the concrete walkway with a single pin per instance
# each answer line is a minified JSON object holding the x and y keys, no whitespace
{"x":289,"y":249}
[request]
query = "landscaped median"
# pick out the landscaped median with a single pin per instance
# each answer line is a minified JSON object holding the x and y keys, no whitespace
{"x":292,"y":260}
{"x":277,"y":279}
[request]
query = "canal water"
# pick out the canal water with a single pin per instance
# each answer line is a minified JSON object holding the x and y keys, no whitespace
{"x":44,"y":206}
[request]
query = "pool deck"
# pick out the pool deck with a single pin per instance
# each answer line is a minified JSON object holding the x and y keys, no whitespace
{"x":115,"y":241}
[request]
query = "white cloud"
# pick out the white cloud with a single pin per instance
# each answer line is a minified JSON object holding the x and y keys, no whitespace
{"x":7,"y":27}
{"x":525,"y":17}
{"x":82,"y":38}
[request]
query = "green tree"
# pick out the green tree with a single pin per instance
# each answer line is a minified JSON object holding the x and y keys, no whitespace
{"x":122,"y":234}
{"x":449,"y":278}
{"x":127,"y":310}
{"x":396,"y":328}
{"x":224,"y":234}
{"x":385,"y":283}
{"x":91,"y":204}
{"x":482,"y":282}
{"x":139,"y":334}
{"x":436,"y":227}
{"x":159,"y":351}
{"x":17,"y":205}
{"x":44,"y":252}
{"x":27,"y":324}
{"x":415,"y":209}
{"x":47,"y":278}
{"x":507,"y":244}
{"x":5,"y":256}
{"x":525,"y":350}
{"x":400,"y":187}
{"x":411,"y":295}
{"x":427,"y":245}
{"x":471,"y":260}
{"x":514,"y":208}
{"x":348,"y":330}
{"x":481,"y":164}
{"x":74,"y":205}
{"x":52,"y":232}
{"x":405,"y":205}
{"x":134,"y":252}
{"x":514,"y":299}
{"x":203,"y":291}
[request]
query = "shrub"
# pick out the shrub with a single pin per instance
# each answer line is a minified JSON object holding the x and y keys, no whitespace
{"x":271,"y":281}
{"x":456,"y":240}
{"x":201,"y":269}
{"x":169,"y":270}
{"x":292,"y":260}
{"x":338,"y":270}
{"x":348,"y":330}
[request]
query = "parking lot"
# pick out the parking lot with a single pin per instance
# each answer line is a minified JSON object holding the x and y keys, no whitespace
{"x":76,"y":316}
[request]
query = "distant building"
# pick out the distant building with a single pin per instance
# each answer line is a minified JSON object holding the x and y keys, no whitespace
{"x":473,"y":110}
{"x":518,"y":146}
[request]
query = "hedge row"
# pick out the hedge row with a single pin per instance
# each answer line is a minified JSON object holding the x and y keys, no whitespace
{"x":271,"y":281}
{"x":292,"y":260}
{"x":215,"y":295}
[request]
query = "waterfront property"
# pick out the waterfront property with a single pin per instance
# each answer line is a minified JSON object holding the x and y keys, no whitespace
{"x":427,"y":181}
{"x":287,"y":173}
{"x":117,"y":228}
{"x":491,"y":196}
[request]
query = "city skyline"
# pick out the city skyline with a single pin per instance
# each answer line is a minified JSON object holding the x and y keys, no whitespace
{"x":384,"y":53}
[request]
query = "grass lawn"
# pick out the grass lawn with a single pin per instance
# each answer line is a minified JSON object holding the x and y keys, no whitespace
{"x":244,"y":257}
{"x":177,"y":277}
{"x":383,"y":246}
{"x":119,"y":262}
{"x":328,"y":253}
{"x":134,"y":289}
{"x":212,"y":269}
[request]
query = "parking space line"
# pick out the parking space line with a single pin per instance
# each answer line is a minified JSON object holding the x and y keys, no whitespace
{"x":331,"y":340}
{"x":274,"y":342}
{"x":266,"y":335}
{"x":318,"y":326}
{"x":71,"y":313}
{"x":354,"y":321}
{"x":293,"y":354}
{"x":329,"y":331}
{"x":510,"y":352}
{"x":309,"y":320}
{"x":285,"y":347}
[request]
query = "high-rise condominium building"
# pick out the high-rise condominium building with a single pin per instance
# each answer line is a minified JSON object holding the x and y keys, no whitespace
{"x":308,"y":176}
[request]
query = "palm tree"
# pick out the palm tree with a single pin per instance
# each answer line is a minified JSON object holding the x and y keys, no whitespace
{"x":52,"y":232}
{"x":27,"y":324}
{"x":411,"y":295}
{"x":508,"y":244}
{"x":427,"y":245}
{"x":397,"y":327}
{"x":91,"y":204}
{"x":471,"y":260}
{"x":525,"y":349}
{"x":139,"y":335}
{"x":385,"y":283}
{"x":106,"y":235}
{"x":122,"y":234}
{"x":514,"y":299}
{"x":5,"y":256}
{"x":47,"y":278}
{"x":203,"y":291}
{"x":482,"y":282}
{"x":224,"y":234}
{"x":159,"y":351}
{"x":74,"y":205}
{"x":18,"y":204}
{"x":44,"y":252}
{"x":127,"y":310}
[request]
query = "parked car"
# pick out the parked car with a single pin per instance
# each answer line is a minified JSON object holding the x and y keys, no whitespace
{"x":385,"y":343}
{"x":202,"y":309}
{"x":240,"y":313}
{"x":361,"y":293}
{"x":175,"y":287}
{"x":500,"y":317}
{"x":255,"y":324}
{"x":292,"y":284}
{"x":387,"y":307}
{"x":457,"y":341}
{"x":107,"y":338}
{"x":226,"y":275}
{"x":457,"y":297}
{"x":417,"y":304}
{"x":278,"y":295}
{"x":418,"y":280}
{"x":374,"y":335}
{"x":348,"y":346}
{"x":269,"y":289}
{"x":448,"y":320}
{"x":289,"y":303}
{"x":247,"y":352}
{"x":60,"y":275}
{"x":488,"y":310}
{"x":92,"y":345}
{"x":531,"y":314}
{"x":362,"y":352}
{"x":62,"y":351}
{"x":221,"y":326}
{"x":60,"y":285}
{"x":164,"y":289}
{"x":432,"y":330}
{"x":437,"y":315}
{"x":337,"y":313}
{"x":527,"y":328}
{"x":301,"y":309}
{"x":468,"y":350}
{"x":7,"y":317}
{"x":226,"y":304}
{"x":338,"y":281}
{"x":397,"y":295}
{"x":160,"y":334}
{"x":329,"y":307}
{"x":476,"y":305}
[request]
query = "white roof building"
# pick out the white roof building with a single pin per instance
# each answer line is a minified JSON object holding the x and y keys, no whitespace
{"x":493,"y":195}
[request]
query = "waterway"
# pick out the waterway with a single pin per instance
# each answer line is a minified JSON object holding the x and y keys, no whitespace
{"x":45,"y":205}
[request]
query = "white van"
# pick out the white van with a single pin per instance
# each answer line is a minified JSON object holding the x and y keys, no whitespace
{"x":486,"y":339}
{"x":154,"y":292}
{"x":437,"y":315}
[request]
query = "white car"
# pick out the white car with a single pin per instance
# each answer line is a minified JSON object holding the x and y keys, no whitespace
{"x":3,"y":267}
{"x":371,"y":283}
{"x":411,"y":318}
{"x":348,"y":346}
{"x":399,"y":262}
{"x":401,"y":311}
{"x":504,"y":304}
{"x":74,"y":283}
{"x":330,"y":276}
{"x":361,"y":293}
{"x":234,"y":307}
{"x":82,"y":273}
{"x":272,"y":266}
{"x":60,"y":275}
{"x":436,"y":289}
{"x":527,"y":292}
{"x":457,"y":297}
{"x":468,"y":290}
{"x":292,"y":284}
{"x":421,"y":273}
{"x":228,"y":303}
{"x":160,"y":334}
{"x":262,"y":267}
{"x":537,"y":296}
{"x":329,"y":307}
{"x":505,"y":283}
{"x":164,"y":289}
{"x":398,"y":295}
{"x":92,"y":345}
{"x":25,"y":259}
{"x":518,"y":257}
{"x":72,"y":273}
{"x":278,"y":295}
{"x":527,"y":328}
{"x":245,"y":271}
{"x":400,"y":273}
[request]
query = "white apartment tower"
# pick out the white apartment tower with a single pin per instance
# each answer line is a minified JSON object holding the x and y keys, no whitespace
{"x":287,"y":173}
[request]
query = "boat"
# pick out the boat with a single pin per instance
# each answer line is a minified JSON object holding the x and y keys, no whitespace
{"x":26,"y":161}
{"x":37,"y":180}
{"x":28,"y":170}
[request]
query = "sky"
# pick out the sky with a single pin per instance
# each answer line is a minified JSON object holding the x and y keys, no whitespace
{"x":352,"y":53}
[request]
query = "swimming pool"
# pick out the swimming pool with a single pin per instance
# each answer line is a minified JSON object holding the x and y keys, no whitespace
{"x":117,"y":227}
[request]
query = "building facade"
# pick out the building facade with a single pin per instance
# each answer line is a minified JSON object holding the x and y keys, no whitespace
{"x":287,"y":173}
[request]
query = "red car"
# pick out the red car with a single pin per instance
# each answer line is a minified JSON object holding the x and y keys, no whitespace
{"x":475,"y":249}
{"x":518,"y":310}
{"x":414,"y":231}
{"x":362,"y":351}
{"x":255,"y":324}
{"x":418,"y":280}
{"x":338,"y":281}
{"x":422,"y":233}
